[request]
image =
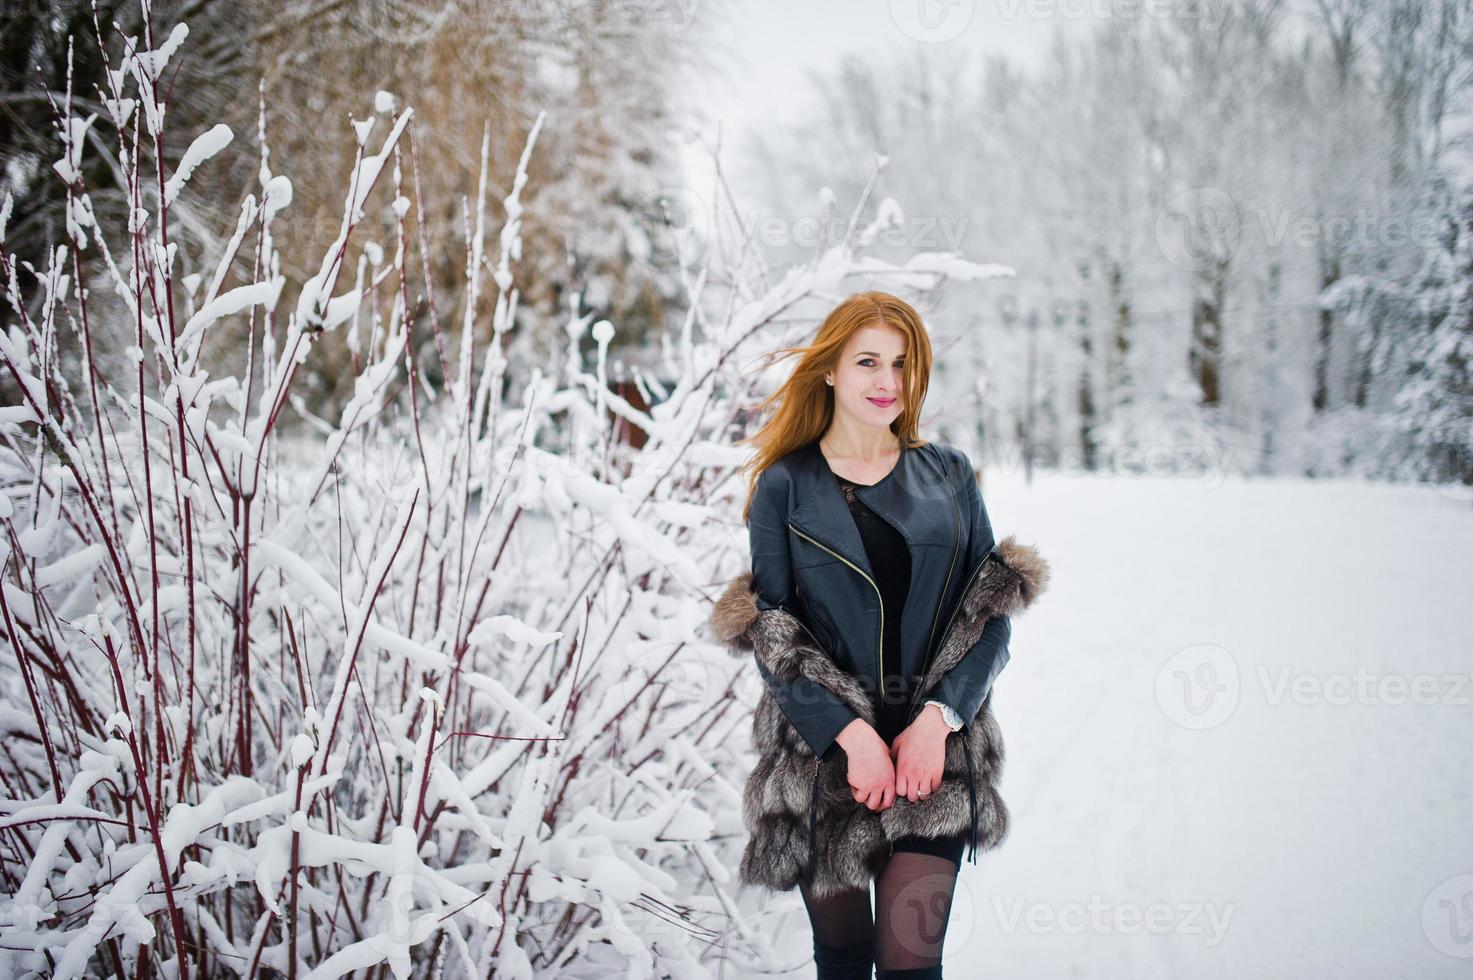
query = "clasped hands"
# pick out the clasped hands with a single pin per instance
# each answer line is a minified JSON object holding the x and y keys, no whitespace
{"x":911,"y":767}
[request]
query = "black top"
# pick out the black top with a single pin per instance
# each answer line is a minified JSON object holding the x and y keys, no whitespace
{"x":890,"y":560}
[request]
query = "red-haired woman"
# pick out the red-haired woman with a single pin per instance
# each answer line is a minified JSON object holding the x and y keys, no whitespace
{"x":878,"y":612}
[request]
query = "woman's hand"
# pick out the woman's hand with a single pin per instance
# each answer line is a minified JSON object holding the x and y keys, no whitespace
{"x":871,"y":773}
{"x":920,"y":755}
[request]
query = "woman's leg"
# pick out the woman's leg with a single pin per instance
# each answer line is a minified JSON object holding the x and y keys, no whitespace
{"x":843,"y":934}
{"x":913,"y":895}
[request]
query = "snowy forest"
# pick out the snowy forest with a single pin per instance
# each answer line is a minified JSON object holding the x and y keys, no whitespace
{"x":1240,"y":239}
{"x":370,"y":379}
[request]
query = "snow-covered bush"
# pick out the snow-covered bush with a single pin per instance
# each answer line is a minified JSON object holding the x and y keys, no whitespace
{"x":427,"y":689}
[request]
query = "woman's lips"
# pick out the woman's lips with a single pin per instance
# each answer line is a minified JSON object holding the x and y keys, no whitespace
{"x":883,"y":402}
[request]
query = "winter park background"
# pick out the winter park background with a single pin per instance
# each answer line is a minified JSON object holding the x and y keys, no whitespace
{"x":369,"y":378}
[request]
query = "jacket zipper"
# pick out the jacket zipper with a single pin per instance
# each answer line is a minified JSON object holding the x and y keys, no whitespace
{"x":880,"y":644}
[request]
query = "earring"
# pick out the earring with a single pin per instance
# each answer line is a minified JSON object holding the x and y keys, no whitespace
{"x":830,"y":381}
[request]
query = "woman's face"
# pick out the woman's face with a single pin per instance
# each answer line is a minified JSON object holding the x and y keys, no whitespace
{"x":869,"y":377}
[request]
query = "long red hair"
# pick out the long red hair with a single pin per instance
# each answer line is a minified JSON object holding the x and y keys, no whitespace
{"x":805,"y":402}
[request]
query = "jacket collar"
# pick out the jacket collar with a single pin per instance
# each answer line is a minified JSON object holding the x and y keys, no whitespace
{"x":823,"y":513}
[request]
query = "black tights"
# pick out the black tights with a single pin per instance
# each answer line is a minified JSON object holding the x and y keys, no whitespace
{"x":913,"y":893}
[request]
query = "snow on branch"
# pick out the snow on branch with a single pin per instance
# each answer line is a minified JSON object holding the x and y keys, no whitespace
{"x":424,"y":683}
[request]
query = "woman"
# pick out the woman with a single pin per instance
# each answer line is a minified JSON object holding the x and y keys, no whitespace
{"x":877,"y":610}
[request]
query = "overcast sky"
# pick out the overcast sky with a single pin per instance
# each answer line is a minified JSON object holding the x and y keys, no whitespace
{"x":770,"y":44}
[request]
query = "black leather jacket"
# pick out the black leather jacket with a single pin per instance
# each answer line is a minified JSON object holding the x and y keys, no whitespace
{"x":809,"y":559}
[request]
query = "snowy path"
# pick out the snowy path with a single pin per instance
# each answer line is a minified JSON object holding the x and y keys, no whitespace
{"x":1189,"y":747}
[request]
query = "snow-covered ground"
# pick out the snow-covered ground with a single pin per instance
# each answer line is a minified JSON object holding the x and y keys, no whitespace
{"x":1240,"y":734}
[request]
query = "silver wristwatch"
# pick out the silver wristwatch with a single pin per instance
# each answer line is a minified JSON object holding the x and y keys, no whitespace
{"x":953,"y":720}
